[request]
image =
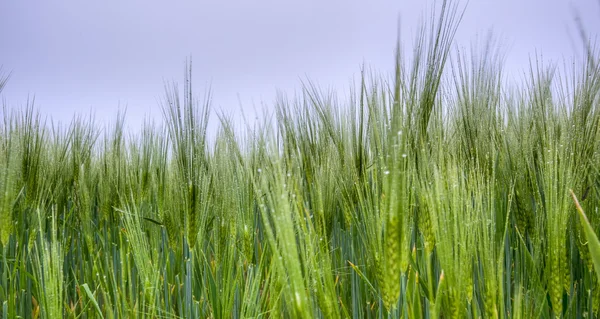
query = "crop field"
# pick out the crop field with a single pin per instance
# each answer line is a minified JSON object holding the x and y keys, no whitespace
{"x":444,"y":191}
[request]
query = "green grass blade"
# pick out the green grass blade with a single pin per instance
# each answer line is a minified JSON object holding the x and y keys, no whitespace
{"x":90,"y":295}
{"x":592,"y":239}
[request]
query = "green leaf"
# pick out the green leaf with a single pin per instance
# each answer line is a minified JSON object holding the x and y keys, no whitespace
{"x":90,"y":295}
{"x":591,"y":237}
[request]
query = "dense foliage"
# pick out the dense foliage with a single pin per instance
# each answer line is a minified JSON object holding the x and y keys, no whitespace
{"x":442,"y":193}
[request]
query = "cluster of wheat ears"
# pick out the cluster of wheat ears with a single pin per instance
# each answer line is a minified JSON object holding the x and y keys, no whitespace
{"x":446,"y":192}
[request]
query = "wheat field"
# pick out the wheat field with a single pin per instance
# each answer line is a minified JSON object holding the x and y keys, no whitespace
{"x":445,"y":191}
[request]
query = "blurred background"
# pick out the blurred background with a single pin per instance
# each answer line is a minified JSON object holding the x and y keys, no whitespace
{"x":79,"y":57}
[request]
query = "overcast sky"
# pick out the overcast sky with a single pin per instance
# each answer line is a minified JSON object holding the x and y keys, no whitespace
{"x":77,"y":56}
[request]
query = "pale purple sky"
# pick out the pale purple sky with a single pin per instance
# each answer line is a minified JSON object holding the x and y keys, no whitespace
{"x":77,"y":56}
